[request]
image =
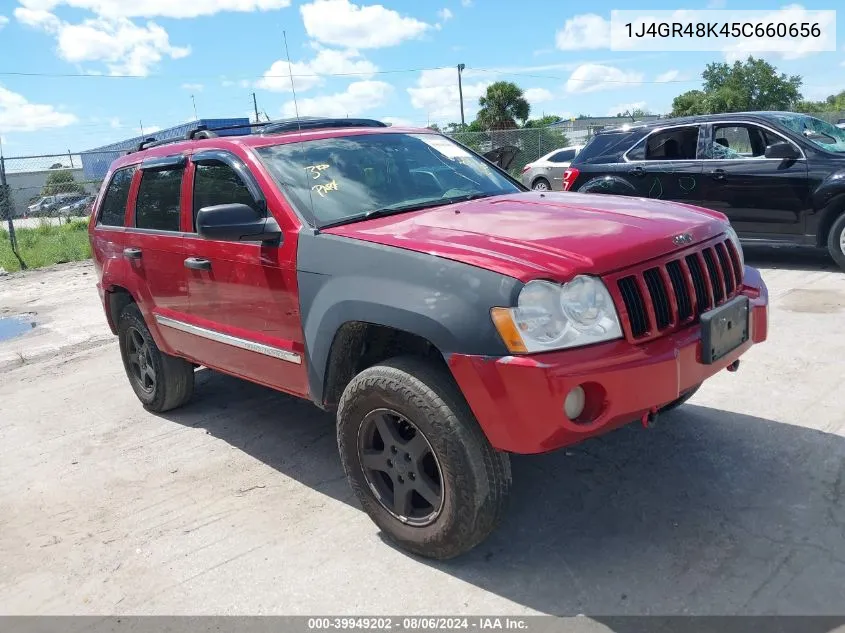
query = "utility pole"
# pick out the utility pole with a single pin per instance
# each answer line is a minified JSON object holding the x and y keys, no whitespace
{"x":194,"y":101}
{"x":461,"y":94}
{"x":255,"y":103}
{"x":141,"y":123}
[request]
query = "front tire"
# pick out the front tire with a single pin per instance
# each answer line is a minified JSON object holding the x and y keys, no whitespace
{"x":160,"y":381}
{"x":836,"y":241}
{"x":418,"y":461}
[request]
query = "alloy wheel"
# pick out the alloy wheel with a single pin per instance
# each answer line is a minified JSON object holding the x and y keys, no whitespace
{"x":139,"y":356}
{"x":400,"y":467}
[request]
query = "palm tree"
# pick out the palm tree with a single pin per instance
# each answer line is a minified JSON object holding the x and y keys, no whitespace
{"x":502,"y":106}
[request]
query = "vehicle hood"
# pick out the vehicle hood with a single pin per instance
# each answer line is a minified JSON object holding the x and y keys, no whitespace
{"x":543,"y":235}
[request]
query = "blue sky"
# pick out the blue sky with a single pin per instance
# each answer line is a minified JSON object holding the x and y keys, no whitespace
{"x":220,"y":51}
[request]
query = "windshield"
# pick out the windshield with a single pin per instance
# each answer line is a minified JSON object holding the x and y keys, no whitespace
{"x":824,"y":134}
{"x":347,"y":178}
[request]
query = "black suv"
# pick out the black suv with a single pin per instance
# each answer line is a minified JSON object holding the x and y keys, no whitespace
{"x":778,"y":176}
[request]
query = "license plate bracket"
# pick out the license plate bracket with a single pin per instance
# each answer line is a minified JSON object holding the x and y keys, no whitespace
{"x":723,"y":329}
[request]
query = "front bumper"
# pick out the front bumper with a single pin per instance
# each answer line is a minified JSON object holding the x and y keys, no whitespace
{"x":518,"y":400}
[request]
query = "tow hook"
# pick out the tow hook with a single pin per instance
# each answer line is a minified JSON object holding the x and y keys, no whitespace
{"x":734,"y":365}
{"x":649,"y":418}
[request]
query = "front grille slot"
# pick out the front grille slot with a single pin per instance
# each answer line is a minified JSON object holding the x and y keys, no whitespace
{"x":727,"y":269}
{"x":702,"y":299}
{"x":659,"y":298}
{"x":679,"y":287}
{"x":715,"y":277}
{"x":634,"y":305}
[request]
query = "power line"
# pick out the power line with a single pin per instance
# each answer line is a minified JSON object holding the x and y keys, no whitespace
{"x":9,"y":73}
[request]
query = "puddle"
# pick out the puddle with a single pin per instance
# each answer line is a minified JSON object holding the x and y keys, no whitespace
{"x":16,"y":325}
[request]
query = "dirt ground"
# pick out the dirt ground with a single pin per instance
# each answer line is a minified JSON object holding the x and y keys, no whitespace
{"x":237,"y":503}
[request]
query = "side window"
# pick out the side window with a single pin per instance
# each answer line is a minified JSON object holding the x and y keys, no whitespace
{"x":113,"y":209}
{"x":562,"y":157}
{"x":158,"y":201}
{"x":218,"y":184}
{"x":673,"y":144}
{"x":735,"y":142}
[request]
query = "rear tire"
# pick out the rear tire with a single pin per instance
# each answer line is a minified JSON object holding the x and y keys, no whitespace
{"x":680,"y":401}
{"x":836,"y":241}
{"x":474,"y":479}
{"x":161,"y":382}
{"x":541,"y":184}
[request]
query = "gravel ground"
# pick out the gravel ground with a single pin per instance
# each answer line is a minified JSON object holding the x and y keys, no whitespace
{"x":237,"y":503}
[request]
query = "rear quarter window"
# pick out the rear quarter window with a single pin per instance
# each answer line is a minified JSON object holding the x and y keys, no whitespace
{"x":607,"y":148}
{"x":113,"y":209}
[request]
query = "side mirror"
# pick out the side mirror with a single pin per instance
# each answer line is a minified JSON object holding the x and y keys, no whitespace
{"x":236,"y":222}
{"x":782,"y":150}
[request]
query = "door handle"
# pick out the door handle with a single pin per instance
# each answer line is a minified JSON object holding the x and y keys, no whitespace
{"x":718,"y":174}
{"x":132,"y":253}
{"x":197,"y":263}
{"x":637,"y":171}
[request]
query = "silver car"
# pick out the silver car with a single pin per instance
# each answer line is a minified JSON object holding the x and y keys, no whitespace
{"x":546,"y":173}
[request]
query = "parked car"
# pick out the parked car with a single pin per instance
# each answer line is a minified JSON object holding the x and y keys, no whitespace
{"x":841,"y":124}
{"x":49,"y":205}
{"x":779,"y":177}
{"x":444,"y":314}
{"x":81,"y":207}
{"x":546,"y":173}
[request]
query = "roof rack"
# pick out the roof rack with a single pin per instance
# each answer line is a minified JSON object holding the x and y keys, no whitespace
{"x":317,"y":123}
{"x":268,"y":127}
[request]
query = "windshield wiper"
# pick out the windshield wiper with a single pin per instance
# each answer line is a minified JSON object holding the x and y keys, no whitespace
{"x":417,"y":206}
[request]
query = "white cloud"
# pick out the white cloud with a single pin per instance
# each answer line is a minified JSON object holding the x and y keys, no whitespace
{"x":151,"y":129}
{"x":343,"y":23}
{"x":595,"y":77}
{"x":620,"y":108}
{"x":358,"y":97}
{"x":584,"y":31}
{"x":436,"y":92}
{"x":716,"y":4}
{"x":158,"y":8}
{"x":3,"y":21}
{"x":466,"y":3}
{"x":19,"y":115}
{"x":115,"y":123}
{"x":123,"y":46}
{"x":307,"y":74}
{"x":194,"y":87}
{"x":669,"y":75}
{"x":444,"y":14}
{"x":538,"y":95}
{"x":398,"y":121}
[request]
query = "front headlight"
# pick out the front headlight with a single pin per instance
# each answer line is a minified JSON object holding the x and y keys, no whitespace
{"x":549,"y":316}
{"x":733,"y":237}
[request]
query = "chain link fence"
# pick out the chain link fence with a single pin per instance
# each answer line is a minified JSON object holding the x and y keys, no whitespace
{"x":513,"y":149}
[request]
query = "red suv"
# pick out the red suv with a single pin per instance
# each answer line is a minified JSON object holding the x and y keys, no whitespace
{"x":447,"y":315}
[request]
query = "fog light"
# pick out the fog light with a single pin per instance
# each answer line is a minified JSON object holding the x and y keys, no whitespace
{"x":573,"y":406}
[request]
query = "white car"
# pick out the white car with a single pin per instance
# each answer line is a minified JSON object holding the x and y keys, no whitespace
{"x":546,"y":173}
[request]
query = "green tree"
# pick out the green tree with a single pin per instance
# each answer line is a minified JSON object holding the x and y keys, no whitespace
{"x":690,"y":103}
{"x":502,"y":106}
{"x":634,"y":114}
{"x":833,"y":103}
{"x":61,"y":181}
{"x":750,"y":85}
{"x":543,"y":121}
